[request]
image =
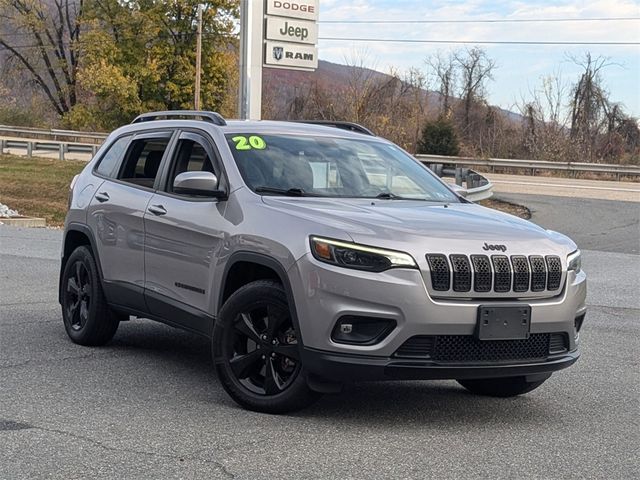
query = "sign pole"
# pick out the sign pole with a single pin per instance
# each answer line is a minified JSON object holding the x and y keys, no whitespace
{"x":251,"y":46}
{"x":196,"y":102}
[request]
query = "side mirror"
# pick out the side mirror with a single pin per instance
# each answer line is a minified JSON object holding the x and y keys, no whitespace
{"x":198,"y":183}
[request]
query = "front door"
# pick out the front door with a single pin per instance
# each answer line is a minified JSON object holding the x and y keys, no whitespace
{"x":183,"y":237}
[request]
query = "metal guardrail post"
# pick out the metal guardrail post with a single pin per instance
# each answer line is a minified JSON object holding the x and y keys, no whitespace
{"x":2,"y":146}
{"x":29,"y":149}
{"x":61,"y":151}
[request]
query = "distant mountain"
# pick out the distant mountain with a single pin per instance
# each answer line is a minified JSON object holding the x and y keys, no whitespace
{"x":284,"y":85}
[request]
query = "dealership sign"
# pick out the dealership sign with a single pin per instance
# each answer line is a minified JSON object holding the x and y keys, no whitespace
{"x":288,"y":30}
{"x":305,"y":9}
{"x":291,"y":34}
{"x":284,"y":54}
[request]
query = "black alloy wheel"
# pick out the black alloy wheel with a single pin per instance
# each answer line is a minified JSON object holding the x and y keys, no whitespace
{"x":256,"y":350}
{"x":77,"y":299}
{"x":88,"y":319}
{"x":263,"y":349}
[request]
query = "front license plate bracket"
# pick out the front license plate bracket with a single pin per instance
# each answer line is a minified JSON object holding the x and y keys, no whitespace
{"x":503,"y":322}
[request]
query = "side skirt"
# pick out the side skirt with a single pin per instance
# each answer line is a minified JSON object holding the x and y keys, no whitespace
{"x":134,"y":300}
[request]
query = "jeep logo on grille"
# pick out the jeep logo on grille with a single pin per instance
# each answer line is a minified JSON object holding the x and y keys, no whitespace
{"x":502,"y":248}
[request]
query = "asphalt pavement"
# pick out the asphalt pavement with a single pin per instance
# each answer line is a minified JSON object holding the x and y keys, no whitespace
{"x":148,"y":405}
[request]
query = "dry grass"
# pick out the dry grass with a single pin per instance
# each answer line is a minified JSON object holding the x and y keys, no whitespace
{"x":507,"y":207}
{"x":37,"y":187}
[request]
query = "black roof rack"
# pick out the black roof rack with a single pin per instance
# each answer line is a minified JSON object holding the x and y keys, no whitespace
{"x":352,"y":127}
{"x":212,"y":117}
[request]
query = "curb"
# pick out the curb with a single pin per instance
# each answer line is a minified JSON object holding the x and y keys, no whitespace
{"x":24,"y":222}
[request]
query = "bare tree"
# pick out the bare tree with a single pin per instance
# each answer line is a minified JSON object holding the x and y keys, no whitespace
{"x":416,"y":85}
{"x":589,"y":102}
{"x":444,"y":70}
{"x":43,"y":38}
{"x":475,"y":69}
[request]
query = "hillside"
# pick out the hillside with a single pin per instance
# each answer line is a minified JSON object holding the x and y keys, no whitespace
{"x":282,"y":86}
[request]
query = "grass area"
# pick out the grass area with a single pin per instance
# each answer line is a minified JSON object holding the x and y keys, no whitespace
{"x":507,"y":207}
{"x":37,"y":187}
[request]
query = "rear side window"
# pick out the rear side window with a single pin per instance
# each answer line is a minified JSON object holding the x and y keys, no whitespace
{"x":143,"y":161}
{"x":108,"y":166}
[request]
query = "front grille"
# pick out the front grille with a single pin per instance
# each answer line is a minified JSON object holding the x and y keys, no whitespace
{"x":461,"y":273}
{"x":554,"y":269}
{"x":520,"y":273}
{"x":440,"y":276}
{"x":500,"y":273}
{"x":538,"y":273}
{"x":482,"y":269}
{"x":467,"y":348}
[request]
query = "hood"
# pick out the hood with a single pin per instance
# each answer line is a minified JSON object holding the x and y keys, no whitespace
{"x":419,"y":226}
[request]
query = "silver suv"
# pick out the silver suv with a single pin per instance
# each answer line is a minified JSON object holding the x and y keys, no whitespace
{"x":312,"y":255}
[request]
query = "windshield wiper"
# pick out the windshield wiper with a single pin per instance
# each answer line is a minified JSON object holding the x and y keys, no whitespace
{"x":290,"y":192}
{"x":390,"y":196}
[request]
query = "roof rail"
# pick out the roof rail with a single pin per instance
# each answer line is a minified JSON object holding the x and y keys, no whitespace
{"x":213,"y":117}
{"x":352,"y":127}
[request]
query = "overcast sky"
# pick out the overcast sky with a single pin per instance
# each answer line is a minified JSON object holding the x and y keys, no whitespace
{"x":520,"y":67}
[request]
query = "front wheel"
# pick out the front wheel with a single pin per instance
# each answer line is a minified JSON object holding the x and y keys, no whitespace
{"x":500,"y":387}
{"x":256,"y":352}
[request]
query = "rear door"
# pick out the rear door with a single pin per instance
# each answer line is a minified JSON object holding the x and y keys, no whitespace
{"x":115,"y":214}
{"x":183,"y":237}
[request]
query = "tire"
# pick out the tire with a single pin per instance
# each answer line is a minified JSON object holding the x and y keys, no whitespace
{"x":500,"y":387}
{"x":256,"y":352}
{"x":87,"y":318}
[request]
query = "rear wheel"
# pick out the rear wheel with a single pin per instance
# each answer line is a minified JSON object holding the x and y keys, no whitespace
{"x":500,"y":387}
{"x":256,"y":352}
{"x":88,"y":319}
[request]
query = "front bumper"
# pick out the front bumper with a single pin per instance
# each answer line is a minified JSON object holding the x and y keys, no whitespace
{"x":325,"y":293}
{"x":345,"y":368}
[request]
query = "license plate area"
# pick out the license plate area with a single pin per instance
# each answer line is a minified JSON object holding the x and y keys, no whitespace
{"x":503,"y":322}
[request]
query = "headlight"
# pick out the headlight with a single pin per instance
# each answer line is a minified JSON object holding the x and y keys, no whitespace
{"x":360,"y":257}
{"x":574,"y":261}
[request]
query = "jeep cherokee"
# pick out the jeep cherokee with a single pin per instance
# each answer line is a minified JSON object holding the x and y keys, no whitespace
{"x":312,"y":255}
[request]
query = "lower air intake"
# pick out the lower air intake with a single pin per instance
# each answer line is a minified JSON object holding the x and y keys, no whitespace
{"x":467,"y":348}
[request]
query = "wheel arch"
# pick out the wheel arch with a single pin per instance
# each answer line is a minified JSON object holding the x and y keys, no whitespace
{"x":76,"y":235}
{"x":265,"y":267}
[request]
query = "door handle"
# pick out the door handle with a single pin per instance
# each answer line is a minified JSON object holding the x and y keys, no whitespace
{"x":102,"y":197}
{"x":157,"y":209}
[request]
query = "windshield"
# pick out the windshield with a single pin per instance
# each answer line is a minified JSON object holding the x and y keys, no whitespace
{"x":300,"y":165}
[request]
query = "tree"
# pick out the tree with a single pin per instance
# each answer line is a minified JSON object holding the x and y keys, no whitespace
{"x":43,"y":38}
{"x":444,"y":70}
{"x":439,"y":138}
{"x":140,"y":55}
{"x":475,"y":69}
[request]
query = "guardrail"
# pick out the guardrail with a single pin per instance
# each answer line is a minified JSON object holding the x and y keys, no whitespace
{"x":468,"y":183}
{"x":53,"y":134}
{"x":533,"y":165}
{"x":31,"y":146}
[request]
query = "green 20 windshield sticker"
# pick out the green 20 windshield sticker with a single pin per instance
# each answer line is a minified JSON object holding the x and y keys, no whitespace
{"x":248,"y":143}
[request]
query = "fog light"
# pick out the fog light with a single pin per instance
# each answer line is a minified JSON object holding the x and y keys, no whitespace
{"x":355,"y":330}
{"x":346,"y":328}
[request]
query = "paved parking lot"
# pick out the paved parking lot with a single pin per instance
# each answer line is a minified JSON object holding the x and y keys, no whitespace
{"x":149,"y":406}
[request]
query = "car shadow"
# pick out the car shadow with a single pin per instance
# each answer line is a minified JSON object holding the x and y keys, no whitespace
{"x":393,"y":403}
